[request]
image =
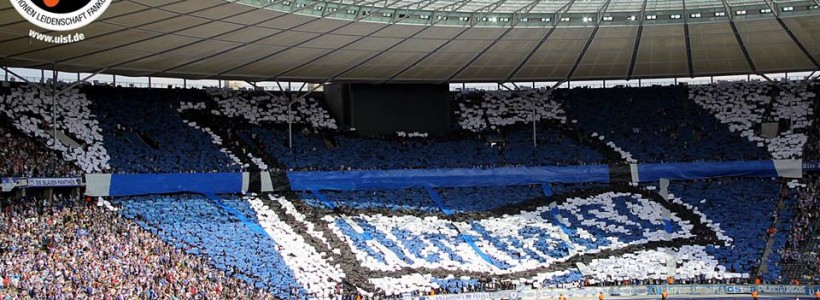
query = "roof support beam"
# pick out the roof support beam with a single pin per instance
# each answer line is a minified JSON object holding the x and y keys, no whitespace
{"x":310,"y":61}
{"x":788,"y":30}
{"x":78,"y":82}
{"x":397,"y":74}
{"x":689,"y":64}
{"x":589,"y":41}
{"x":490,"y":7}
{"x":738,"y":37}
{"x":291,"y":46}
{"x":472,"y":60}
{"x":244,"y":27}
{"x":348,"y":69}
{"x":26,"y":80}
{"x":637,"y":44}
{"x":529,"y":56}
{"x":268,"y":56}
{"x":528,"y":8}
{"x":148,"y":39}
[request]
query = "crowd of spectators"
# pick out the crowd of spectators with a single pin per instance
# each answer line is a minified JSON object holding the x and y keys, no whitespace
{"x":743,"y":106}
{"x":803,"y":234}
{"x":68,"y":248}
{"x":65,"y":123}
{"x":22,"y":156}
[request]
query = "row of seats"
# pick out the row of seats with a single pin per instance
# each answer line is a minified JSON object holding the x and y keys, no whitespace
{"x":35,"y":112}
{"x":311,"y":152}
{"x":206,"y":227}
{"x":143,"y":133}
{"x":399,"y":241}
{"x":656,"y":124}
{"x":258,"y":107}
{"x":742,"y":208}
{"x":140,"y":130}
{"x":493,"y":110}
{"x":744,"y":105}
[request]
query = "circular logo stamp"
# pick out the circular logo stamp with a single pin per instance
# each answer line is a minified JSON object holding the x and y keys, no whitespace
{"x":60,"y":15}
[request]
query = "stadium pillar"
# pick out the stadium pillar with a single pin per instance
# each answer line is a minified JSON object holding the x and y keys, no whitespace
{"x":184,"y":83}
{"x":639,"y":82}
{"x":54,"y":106}
{"x":7,"y":74}
{"x":604,"y":83}
{"x":42,"y":75}
{"x":78,"y":76}
{"x":534,"y":141}
{"x":463,"y":86}
{"x":149,"y":82}
{"x":114,"y":78}
{"x":290,"y":120}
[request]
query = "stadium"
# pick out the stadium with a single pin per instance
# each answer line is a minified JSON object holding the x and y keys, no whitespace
{"x":410,"y":149}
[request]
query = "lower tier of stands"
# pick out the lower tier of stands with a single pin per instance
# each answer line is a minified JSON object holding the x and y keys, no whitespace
{"x":460,"y":239}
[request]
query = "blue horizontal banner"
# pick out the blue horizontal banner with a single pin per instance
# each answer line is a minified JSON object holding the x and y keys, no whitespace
{"x":206,"y":183}
{"x":217,"y":183}
{"x":441,"y":178}
{"x":701,"y":170}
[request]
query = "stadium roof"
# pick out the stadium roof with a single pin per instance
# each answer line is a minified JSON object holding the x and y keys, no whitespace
{"x":430,"y":40}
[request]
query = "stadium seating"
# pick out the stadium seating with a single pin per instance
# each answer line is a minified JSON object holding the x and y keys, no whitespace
{"x":458,"y":200}
{"x":655,"y":124}
{"x":160,"y":141}
{"x":314,"y":244}
{"x":512,"y":232}
{"x":743,"y":105}
{"x":258,"y":107}
{"x":206,"y":227}
{"x":502,"y":108}
{"x":743,"y":208}
{"x":311,"y":152}
{"x":32,"y":109}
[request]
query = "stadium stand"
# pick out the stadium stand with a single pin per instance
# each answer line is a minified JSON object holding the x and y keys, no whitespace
{"x":656,"y":124}
{"x":801,"y":252}
{"x":65,"y":248}
{"x":417,"y":242}
{"x":143,"y":133}
{"x":744,"y":105}
{"x":25,"y":157}
{"x":258,"y":107}
{"x":32,"y":110}
{"x":234,"y":243}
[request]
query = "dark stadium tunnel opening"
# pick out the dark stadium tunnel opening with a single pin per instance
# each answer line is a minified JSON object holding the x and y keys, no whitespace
{"x":61,"y":6}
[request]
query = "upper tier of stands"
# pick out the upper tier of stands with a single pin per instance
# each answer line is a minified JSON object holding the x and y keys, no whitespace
{"x":144,"y":134}
{"x":656,"y":124}
{"x":34,"y":111}
{"x":744,"y":105}
{"x":127,"y":130}
{"x":22,"y":156}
